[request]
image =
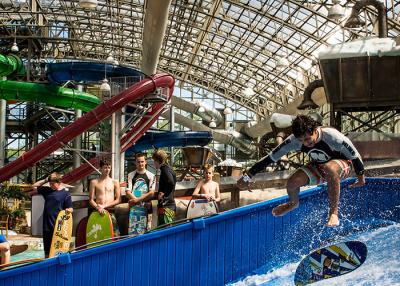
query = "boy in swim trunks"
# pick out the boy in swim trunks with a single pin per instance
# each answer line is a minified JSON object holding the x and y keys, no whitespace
{"x":105,"y":193}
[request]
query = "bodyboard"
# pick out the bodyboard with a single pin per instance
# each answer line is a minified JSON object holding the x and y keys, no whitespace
{"x":80,"y":238}
{"x":201,"y":207}
{"x":62,"y":234}
{"x":138,"y":213}
{"x":18,"y":248}
{"x":331,"y":261}
{"x":99,"y":227}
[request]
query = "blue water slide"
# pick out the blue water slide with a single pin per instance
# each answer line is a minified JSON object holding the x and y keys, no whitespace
{"x":87,"y":72}
{"x":170,"y":139}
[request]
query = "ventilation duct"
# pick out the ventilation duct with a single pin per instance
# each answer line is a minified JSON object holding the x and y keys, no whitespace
{"x":307,"y":102}
{"x":355,"y":21}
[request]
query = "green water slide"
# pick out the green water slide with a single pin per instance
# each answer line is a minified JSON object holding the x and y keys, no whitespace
{"x":50,"y":94}
{"x":11,"y":64}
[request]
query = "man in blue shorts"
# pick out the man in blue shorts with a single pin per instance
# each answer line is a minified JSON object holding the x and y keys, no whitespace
{"x":332,"y":156}
{"x":4,"y":250}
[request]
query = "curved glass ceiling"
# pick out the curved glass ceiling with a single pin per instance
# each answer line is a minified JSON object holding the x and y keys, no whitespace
{"x":226,"y":47}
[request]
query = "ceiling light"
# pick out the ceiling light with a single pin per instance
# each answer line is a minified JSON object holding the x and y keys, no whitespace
{"x":14,"y":47}
{"x":227,"y":110}
{"x":282,"y":63}
{"x":336,"y":12}
{"x":88,"y":4}
{"x":105,"y":86}
{"x":248,"y":91}
{"x":110,"y":59}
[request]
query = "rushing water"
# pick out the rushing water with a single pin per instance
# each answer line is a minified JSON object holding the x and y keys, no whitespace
{"x":382,"y":266}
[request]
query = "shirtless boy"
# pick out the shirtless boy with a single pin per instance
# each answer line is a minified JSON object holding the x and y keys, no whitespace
{"x":104,"y":192}
{"x":206,"y":188}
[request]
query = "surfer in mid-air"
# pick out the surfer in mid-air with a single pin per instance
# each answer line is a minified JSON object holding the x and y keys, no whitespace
{"x":332,"y":156}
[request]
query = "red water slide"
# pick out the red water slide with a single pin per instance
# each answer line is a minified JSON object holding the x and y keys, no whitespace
{"x":127,"y":140}
{"x":90,"y":119}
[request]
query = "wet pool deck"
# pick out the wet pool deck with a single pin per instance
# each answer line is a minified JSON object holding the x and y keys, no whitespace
{"x":35,"y":243}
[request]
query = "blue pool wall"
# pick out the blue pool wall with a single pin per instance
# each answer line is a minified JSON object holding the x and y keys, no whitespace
{"x":219,"y":249}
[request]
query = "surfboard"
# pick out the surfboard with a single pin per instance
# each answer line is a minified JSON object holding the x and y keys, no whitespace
{"x":138,"y":213}
{"x":201,"y":207}
{"x":80,"y":238}
{"x":99,"y":227}
{"x":331,"y":261}
{"x":18,"y":248}
{"x":62,"y":234}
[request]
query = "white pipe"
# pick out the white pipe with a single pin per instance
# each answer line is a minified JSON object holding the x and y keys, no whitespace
{"x":206,"y":113}
{"x":264,"y":126}
{"x":233,"y":138}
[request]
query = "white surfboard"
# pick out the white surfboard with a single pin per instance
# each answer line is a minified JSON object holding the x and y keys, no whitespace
{"x":201,"y":207}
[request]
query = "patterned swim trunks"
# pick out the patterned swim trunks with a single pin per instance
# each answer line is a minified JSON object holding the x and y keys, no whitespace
{"x":316,"y":174}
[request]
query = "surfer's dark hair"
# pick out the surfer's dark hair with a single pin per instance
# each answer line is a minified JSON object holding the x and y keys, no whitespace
{"x":303,"y":124}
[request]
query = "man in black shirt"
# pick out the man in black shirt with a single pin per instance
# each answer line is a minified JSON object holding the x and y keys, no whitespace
{"x":56,"y":199}
{"x":166,"y":207}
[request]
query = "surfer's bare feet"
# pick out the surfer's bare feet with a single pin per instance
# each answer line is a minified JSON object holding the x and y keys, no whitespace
{"x":283,"y":209}
{"x":333,"y":220}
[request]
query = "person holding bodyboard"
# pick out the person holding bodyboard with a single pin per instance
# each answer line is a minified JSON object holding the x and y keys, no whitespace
{"x":56,"y":199}
{"x":105,"y":193}
{"x":205,"y":196}
{"x":332,"y":157}
{"x":141,"y":190}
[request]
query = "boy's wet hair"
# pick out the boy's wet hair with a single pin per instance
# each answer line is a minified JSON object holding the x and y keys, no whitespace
{"x":160,"y":156}
{"x":104,"y":163}
{"x":54,"y":177}
{"x":303,"y":124}
{"x":208,"y":167}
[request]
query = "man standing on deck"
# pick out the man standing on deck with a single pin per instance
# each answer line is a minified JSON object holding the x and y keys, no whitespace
{"x":141,"y":173}
{"x":56,"y":199}
{"x":105,"y":193}
{"x":332,"y":156}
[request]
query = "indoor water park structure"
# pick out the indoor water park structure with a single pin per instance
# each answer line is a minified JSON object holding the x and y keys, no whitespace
{"x":211,"y":83}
